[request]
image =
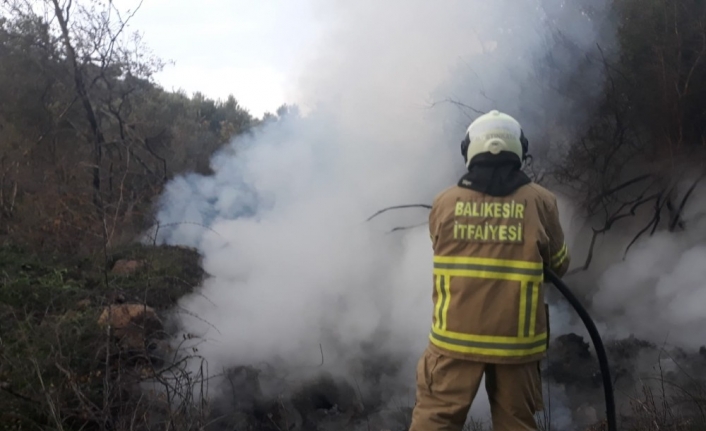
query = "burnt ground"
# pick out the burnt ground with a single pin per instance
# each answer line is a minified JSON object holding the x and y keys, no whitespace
{"x":49,"y":314}
{"x":265,"y":398}
{"x":657,"y":384}
{"x":652,"y":383}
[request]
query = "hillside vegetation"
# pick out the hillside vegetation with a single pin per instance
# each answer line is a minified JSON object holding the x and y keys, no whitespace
{"x":61,"y":366}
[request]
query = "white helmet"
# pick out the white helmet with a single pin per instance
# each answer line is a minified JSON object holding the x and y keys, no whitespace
{"x":492,"y":133}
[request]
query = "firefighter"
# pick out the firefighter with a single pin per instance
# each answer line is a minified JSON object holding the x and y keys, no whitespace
{"x":492,"y":234}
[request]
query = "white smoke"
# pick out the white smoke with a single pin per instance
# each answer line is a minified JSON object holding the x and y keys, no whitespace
{"x":294,"y":268}
{"x":658,"y":292}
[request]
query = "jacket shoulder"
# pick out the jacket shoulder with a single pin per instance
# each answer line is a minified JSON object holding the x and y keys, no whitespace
{"x":540,"y":193}
{"x":446,"y":194}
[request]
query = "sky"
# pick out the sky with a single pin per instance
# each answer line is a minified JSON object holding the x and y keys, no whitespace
{"x":253,"y":50}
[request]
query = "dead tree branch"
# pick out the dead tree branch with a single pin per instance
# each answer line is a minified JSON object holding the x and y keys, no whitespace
{"x":677,"y":216}
{"x":80,"y":86}
{"x":618,"y":215}
{"x":398,"y":207}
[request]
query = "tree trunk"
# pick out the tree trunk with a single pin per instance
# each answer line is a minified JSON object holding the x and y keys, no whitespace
{"x":98,"y":138}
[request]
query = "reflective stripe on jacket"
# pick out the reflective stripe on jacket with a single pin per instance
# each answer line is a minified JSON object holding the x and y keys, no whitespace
{"x":489,"y":254}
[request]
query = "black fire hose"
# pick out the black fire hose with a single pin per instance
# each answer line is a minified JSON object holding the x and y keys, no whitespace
{"x":597,"y":344}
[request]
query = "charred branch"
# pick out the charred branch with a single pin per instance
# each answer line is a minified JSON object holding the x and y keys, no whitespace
{"x":397,"y":208}
{"x":461,"y":105}
{"x":653,"y":222}
{"x":618,"y":215}
{"x":618,"y":188}
{"x":676,"y":220}
{"x":399,"y":228}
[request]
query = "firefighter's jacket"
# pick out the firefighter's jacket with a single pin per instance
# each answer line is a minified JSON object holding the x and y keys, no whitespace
{"x":489,"y":254}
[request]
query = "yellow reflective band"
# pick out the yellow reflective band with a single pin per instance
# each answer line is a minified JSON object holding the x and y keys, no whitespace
{"x":442,"y":300}
{"x":533,"y":292}
{"x":524,"y":312}
{"x":489,"y":339}
{"x":560,"y":257}
{"x":439,"y":295}
{"x":488,"y":261}
{"x":529,"y":295}
{"x":446,"y":290}
{"x":489,"y":345}
{"x":497,"y":269}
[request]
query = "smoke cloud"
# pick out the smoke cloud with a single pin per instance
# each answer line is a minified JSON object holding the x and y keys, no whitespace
{"x":294,"y":269}
{"x":658,"y":291}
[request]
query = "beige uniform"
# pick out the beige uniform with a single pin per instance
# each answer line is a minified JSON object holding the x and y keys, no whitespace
{"x":489,"y":313}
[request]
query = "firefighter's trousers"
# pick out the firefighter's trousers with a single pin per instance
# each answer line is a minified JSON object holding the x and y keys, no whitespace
{"x":447,"y":386}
